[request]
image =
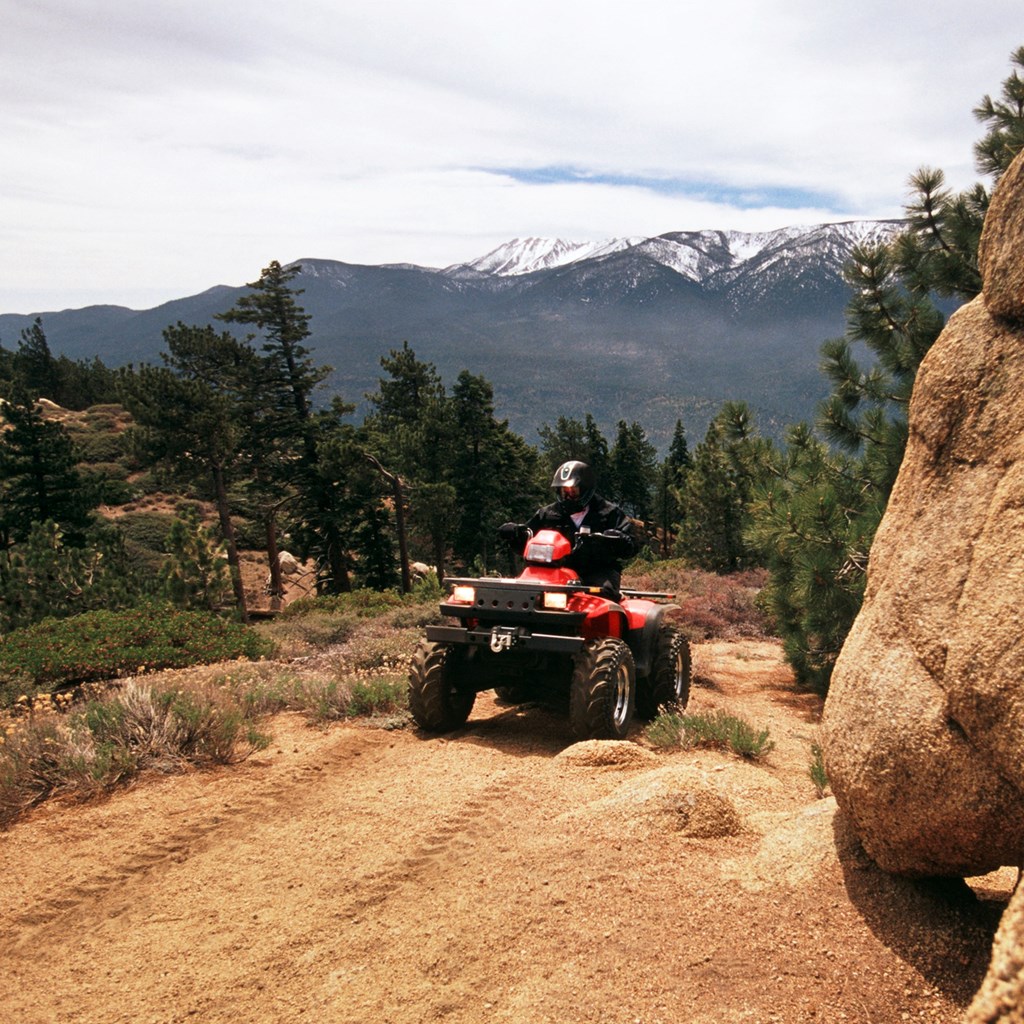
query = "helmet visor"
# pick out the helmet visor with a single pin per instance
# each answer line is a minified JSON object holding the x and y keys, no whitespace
{"x":570,"y":493}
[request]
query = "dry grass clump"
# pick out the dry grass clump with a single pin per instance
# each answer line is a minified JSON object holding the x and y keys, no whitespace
{"x":716,"y":729}
{"x":139,"y":728}
{"x":170,"y":721}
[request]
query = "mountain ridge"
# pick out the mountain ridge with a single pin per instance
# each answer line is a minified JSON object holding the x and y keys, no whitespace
{"x":651,"y":329}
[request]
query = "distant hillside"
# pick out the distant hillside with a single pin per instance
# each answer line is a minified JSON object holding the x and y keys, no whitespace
{"x":647,"y":329}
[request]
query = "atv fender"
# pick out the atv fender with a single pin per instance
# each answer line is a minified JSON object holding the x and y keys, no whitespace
{"x":643,"y":646}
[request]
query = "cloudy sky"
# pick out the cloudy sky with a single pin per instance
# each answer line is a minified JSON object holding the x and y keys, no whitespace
{"x":153,"y":149}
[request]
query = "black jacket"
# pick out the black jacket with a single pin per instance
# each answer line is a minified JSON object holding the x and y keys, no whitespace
{"x":598,"y":562}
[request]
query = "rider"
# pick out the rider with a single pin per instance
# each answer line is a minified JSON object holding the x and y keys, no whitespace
{"x":577,"y":506}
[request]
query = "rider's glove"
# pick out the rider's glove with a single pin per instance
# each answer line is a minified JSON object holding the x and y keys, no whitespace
{"x":514,"y":534}
{"x":616,"y":543}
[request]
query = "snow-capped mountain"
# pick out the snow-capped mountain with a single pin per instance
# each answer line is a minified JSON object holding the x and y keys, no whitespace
{"x":641,"y":329}
{"x":527,"y":255}
{"x":700,"y":256}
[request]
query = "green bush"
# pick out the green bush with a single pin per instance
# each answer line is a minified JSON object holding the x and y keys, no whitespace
{"x":46,"y":578}
{"x":147,"y":530}
{"x":816,"y":770}
{"x":110,"y":479}
{"x":105,"y":645}
{"x":717,"y":729}
{"x":364,"y":603}
{"x":295,"y":636}
{"x":105,"y":470}
{"x":92,"y":446}
{"x":379,"y":695}
{"x":114,"y":740}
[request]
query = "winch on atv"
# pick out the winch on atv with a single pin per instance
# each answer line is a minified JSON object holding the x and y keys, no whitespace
{"x":545,"y":635}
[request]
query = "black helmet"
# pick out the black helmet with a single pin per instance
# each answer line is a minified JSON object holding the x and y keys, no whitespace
{"x":574,"y":485}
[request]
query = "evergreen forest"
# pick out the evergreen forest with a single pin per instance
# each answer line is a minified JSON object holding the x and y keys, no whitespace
{"x":243,"y":426}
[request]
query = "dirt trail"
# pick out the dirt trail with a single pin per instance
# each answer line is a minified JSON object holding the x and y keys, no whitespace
{"x":501,"y":874}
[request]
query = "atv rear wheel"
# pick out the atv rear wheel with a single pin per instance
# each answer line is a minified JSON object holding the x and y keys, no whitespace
{"x":440,"y":696}
{"x":668,"y":684}
{"x":603,"y":690}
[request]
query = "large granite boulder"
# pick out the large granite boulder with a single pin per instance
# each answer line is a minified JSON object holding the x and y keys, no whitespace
{"x":924,"y":723}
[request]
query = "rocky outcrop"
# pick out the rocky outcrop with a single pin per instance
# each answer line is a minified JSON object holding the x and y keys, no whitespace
{"x":999,"y":256}
{"x":924,"y":723}
{"x":1000,"y":1000}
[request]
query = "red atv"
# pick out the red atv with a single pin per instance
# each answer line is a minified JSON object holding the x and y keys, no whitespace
{"x":544,"y":634}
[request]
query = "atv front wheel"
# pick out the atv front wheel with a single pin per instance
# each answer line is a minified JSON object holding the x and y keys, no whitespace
{"x":440,"y":697}
{"x":668,"y":684}
{"x":603,"y":690}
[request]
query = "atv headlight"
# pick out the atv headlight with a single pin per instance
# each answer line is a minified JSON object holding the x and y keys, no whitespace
{"x":463,"y":595}
{"x":541,"y":553}
{"x":555,"y":601}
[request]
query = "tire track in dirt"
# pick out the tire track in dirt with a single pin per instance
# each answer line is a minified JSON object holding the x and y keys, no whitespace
{"x":116,"y":887}
{"x":473,"y":824}
{"x":357,"y":875}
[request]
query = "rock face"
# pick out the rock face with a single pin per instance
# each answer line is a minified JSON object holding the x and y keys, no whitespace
{"x":1000,"y":1000}
{"x":924,"y":724}
{"x":999,"y":257}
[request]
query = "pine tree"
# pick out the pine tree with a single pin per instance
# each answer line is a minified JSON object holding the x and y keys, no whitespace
{"x":195,"y":574}
{"x":727,"y":467}
{"x":1005,"y":119}
{"x":633,"y":469}
{"x":491,"y":470}
{"x":410,"y":433}
{"x":38,"y":478}
{"x":671,"y":477}
{"x":45,"y":577}
{"x":290,"y":378}
{"x":187,"y":418}
{"x":571,"y":439}
{"x":34,"y":364}
{"x":815,"y":523}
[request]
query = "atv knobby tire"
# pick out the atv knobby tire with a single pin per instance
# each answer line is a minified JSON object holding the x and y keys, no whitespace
{"x":668,"y":685}
{"x":440,"y":697}
{"x":603,"y":690}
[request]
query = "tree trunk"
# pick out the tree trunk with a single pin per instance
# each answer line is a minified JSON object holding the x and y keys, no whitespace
{"x":399,"y":499}
{"x":439,"y":555}
{"x":274,"y":558}
{"x":339,"y":583}
{"x":227,"y":530}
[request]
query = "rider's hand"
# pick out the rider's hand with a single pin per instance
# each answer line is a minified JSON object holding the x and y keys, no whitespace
{"x":616,"y":542}
{"x":513,"y":533}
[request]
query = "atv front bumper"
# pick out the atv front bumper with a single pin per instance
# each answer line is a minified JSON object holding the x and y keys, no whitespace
{"x":505,"y":638}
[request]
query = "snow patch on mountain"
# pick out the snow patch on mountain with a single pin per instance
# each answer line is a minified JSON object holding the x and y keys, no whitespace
{"x":527,"y":255}
{"x":698,"y":256}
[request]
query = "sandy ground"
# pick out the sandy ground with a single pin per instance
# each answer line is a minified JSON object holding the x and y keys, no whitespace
{"x":500,"y":874}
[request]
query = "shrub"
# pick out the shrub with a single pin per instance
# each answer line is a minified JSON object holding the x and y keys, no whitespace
{"x":105,"y":470}
{"x":717,"y":729}
{"x":147,"y":530}
{"x":97,"y":447}
{"x":379,"y":695}
{"x":317,"y":622}
{"x":713,"y":606}
{"x":104,"y":645}
{"x":111,"y":741}
{"x":262,"y":688}
{"x":364,"y":603}
{"x":44,"y":577}
{"x":816,"y":770}
{"x":298,"y":635}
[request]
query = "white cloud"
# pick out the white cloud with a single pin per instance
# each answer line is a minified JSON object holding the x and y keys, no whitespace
{"x":152,"y":150}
